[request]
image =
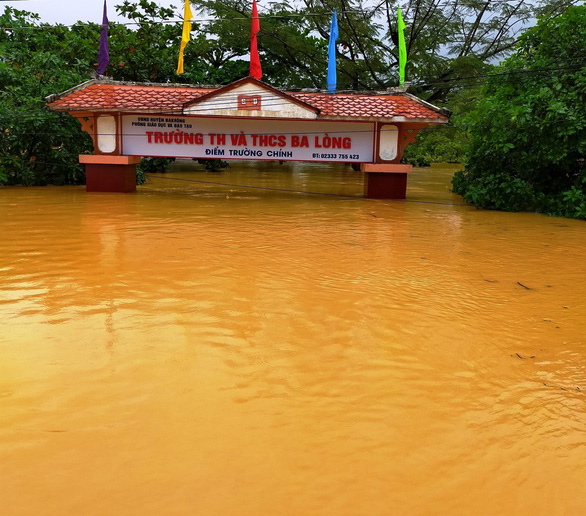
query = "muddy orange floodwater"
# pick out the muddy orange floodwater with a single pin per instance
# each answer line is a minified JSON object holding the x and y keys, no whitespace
{"x":221,"y":344}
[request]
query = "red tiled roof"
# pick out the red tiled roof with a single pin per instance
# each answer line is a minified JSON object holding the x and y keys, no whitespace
{"x":171,"y":99}
{"x":368,"y":106}
{"x":125,"y":97}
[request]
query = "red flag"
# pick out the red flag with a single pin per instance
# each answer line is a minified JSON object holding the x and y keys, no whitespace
{"x":255,"y":69}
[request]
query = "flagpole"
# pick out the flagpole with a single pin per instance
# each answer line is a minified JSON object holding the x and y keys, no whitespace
{"x":255,"y":68}
{"x":187,"y":16}
{"x":402,"y":47}
{"x":103,"y":55}
{"x":332,"y":78}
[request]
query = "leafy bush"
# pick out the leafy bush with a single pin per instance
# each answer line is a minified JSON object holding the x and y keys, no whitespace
{"x":213,"y":165}
{"x":497,"y":192}
{"x":575,"y":202}
{"x":508,"y":193}
{"x":436,"y":145}
{"x":151,"y":166}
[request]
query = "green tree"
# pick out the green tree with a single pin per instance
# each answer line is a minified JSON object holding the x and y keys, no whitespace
{"x":528,"y":135}
{"x":450,"y":47}
{"x":37,"y":146}
{"x":447,"y":143}
{"x":146,"y":50}
{"x":445,"y":41}
{"x":449,"y":44}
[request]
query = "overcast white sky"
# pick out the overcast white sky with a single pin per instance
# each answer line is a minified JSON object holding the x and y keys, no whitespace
{"x":68,"y":12}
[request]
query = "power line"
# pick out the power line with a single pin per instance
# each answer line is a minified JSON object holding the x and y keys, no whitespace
{"x":466,"y":4}
{"x":302,"y":91}
{"x":97,"y":25}
{"x":255,"y":187}
{"x":423,"y":85}
{"x":469,"y":81}
{"x":472,"y":81}
{"x":462,"y":82}
{"x":343,"y":95}
{"x":540,"y":122}
{"x":581,"y":59}
{"x":291,"y":191}
{"x":459,"y":127}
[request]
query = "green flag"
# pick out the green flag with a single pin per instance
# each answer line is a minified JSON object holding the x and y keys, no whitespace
{"x":402,"y":48}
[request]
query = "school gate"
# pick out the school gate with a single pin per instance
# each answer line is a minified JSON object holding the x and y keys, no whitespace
{"x":249,"y":120}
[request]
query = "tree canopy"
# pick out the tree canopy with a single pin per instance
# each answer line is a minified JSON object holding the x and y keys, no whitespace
{"x":528,"y":134}
{"x":451,"y":47}
{"x":35,"y":63}
{"x":445,"y":40}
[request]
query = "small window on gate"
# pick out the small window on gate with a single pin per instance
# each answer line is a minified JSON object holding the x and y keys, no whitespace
{"x":249,"y":102}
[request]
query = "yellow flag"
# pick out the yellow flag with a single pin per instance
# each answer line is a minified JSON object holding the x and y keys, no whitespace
{"x":187,"y":15}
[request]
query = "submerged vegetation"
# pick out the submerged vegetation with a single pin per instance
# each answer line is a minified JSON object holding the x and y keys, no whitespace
{"x":518,"y":126}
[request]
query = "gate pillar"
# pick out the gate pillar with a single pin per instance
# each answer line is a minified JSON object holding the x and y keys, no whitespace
{"x":386,"y":177}
{"x":385,"y":180}
{"x":106,"y":173}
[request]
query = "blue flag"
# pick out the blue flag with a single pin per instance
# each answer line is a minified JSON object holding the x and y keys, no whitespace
{"x":332,"y":54}
{"x":103,"y":57}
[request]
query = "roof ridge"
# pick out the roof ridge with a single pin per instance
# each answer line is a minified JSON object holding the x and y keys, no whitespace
{"x":349,"y":93}
{"x":79,"y":87}
{"x":443,"y":111}
{"x":107,"y":80}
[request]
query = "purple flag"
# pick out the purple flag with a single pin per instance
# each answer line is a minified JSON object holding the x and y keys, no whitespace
{"x":103,"y":56}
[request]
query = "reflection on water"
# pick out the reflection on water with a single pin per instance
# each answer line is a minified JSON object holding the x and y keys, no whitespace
{"x":208,"y":347}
